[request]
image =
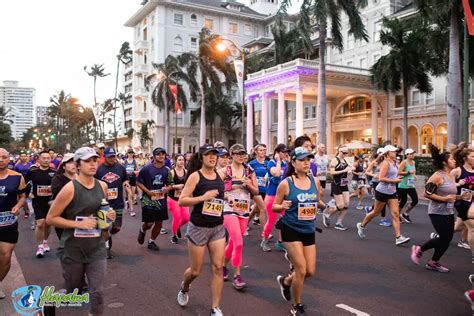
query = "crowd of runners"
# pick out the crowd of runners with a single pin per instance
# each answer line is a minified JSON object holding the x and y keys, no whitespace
{"x":214,"y":194}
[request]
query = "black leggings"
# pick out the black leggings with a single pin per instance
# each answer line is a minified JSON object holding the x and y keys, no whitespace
{"x":403,"y":196}
{"x":444,"y":226}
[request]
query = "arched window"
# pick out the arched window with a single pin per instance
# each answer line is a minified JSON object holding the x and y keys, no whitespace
{"x":178,"y":44}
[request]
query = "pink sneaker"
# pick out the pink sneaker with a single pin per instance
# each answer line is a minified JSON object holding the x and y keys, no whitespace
{"x":416,"y":254}
{"x":238,"y":283}
{"x":436,"y":266}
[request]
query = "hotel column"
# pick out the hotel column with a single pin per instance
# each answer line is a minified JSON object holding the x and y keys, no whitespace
{"x":249,"y":124}
{"x":264,"y":118}
{"x":299,"y":112}
{"x":281,"y":117}
{"x":375,"y":118}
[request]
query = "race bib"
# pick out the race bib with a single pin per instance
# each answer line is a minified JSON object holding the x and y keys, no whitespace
{"x":362,"y":176}
{"x":44,"y":190}
{"x":262,"y":181}
{"x":177,"y":193}
{"x":112,"y":193}
{"x":468,"y":194}
{"x":213,"y":207}
{"x":322,"y":170}
{"x":307,"y":211}
{"x":86,"y":233}
{"x":130,"y":169}
{"x":450,"y":206}
{"x":344,"y":182}
{"x":157,"y":195}
{"x":7,"y":219}
{"x":410,"y":182}
{"x":241,"y":206}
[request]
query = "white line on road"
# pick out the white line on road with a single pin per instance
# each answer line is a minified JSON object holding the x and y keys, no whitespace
{"x":352,"y":310}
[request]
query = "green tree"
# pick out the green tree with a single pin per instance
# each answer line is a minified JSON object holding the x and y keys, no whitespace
{"x":314,"y":15}
{"x":5,"y":130}
{"x":96,"y":71}
{"x":104,"y":108}
{"x":144,"y":133}
{"x":405,"y":66}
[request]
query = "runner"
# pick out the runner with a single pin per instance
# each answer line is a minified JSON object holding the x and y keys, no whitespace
{"x":116,"y":178}
{"x":406,"y":187}
{"x":239,"y":183}
{"x":223,"y":158}
{"x":276,"y":172}
{"x":298,"y":196}
{"x":339,"y":169}
{"x":322,"y":165}
{"x":12,"y":198}
{"x":359,"y":179}
{"x":82,"y":247}
{"x":40,"y":177}
{"x":260,"y":166}
{"x":204,"y":191}
{"x":441,"y":190}
{"x":132,"y":167}
{"x":180,"y":213}
{"x":22,"y":166}
{"x":386,"y":193}
{"x":305,"y":142}
{"x":153,"y":181}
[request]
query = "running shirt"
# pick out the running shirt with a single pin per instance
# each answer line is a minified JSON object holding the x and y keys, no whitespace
{"x":360,"y":170}
{"x":301,"y":216}
{"x":341,"y":179}
{"x":176,"y":179}
{"x":273,"y":182}
{"x":154,"y":179}
{"x":408,"y":180}
{"x":322,"y":163}
{"x":9,"y":190}
{"x":468,"y":178}
{"x":23,"y":168}
{"x":209,"y":213}
{"x":130,"y":167}
{"x":41,"y":184}
{"x":261,"y":171}
{"x":114,"y":176}
{"x":386,"y":187}
{"x":446,"y":188}
{"x":237,"y":193}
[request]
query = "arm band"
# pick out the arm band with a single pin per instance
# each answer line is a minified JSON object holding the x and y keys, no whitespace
{"x":431,"y":188}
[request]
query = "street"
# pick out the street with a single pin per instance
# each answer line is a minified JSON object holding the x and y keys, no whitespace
{"x":372,"y":276}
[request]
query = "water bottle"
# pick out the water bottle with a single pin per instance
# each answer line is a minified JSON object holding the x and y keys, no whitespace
{"x":103,"y":221}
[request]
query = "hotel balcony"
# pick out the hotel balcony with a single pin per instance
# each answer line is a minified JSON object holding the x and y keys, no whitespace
{"x":424,"y":110}
{"x":140,"y":92}
{"x":140,"y":69}
{"x":140,"y":117}
{"x":141,"y":45}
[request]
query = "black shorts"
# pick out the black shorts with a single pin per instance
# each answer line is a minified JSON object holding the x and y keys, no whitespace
{"x":337,"y":189}
{"x":40,"y":213}
{"x":132,"y":180}
{"x":263,"y":195}
{"x":323,"y":183}
{"x":290,"y":235}
{"x":382,"y":197}
{"x":151,"y":214}
{"x":9,"y":236}
{"x":462,"y":207}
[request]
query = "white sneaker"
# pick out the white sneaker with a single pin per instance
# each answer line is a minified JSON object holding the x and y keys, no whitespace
{"x":40,"y":252}
{"x":216,"y":311}
{"x":463,"y":244}
{"x":434,"y":235}
{"x":2,"y":294}
{"x":183,"y":297}
{"x":360,"y":230}
{"x":264,"y":245}
{"x":359,"y":207}
{"x":46,"y":246}
{"x":401,"y":240}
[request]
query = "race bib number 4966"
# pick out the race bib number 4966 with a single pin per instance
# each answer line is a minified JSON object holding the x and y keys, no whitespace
{"x":306,"y":211}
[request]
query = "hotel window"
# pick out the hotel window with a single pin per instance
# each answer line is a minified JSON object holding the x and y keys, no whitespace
{"x":248,"y":29}
{"x":306,"y":112}
{"x":209,"y":23}
{"x":415,"y":97}
{"x":178,"y":44}
{"x":178,"y":19}
{"x":290,"y":114}
{"x":313,"y":111}
{"x":377,"y":29}
{"x":350,"y":41}
{"x":194,"y":20}
{"x":233,"y":28}
{"x":194,"y":44}
{"x":429,"y":98}
{"x":144,"y":106}
{"x":275,"y":112}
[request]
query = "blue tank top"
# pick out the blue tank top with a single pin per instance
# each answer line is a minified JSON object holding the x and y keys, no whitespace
{"x":273,"y":182}
{"x":8,"y":199}
{"x":301,"y":216}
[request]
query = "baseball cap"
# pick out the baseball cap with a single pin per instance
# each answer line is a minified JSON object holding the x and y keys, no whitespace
{"x":101,"y":145}
{"x":281,"y":148}
{"x":219,"y":144}
{"x":299,"y":153}
{"x":343,"y":149}
{"x":223,"y":152}
{"x":130,"y":151}
{"x":206,"y":149}
{"x":381,"y":151}
{"x":158,"y":150}
{"x":110,"y":152}
{"x":360,"y":156}
{"x":237,"y":149}
{"x":67,"y":157}
{"x":390,"y":148}
{"x":84,"y":153}
{"x":409,"y":151}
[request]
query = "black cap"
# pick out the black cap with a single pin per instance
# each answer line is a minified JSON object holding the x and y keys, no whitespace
{"x":281,"y":148}
{"x":206,"y":149}
{"x":158,"y":150}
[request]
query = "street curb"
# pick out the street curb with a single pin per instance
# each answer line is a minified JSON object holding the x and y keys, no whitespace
{"x":12,"y":281}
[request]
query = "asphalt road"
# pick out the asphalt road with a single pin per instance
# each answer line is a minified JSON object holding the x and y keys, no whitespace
{"x":372,"y":275}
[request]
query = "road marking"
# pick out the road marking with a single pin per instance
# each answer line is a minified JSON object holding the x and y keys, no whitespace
{"x":352,"y":310}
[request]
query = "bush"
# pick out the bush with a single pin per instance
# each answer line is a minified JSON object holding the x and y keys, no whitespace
{"x":424,"y":166}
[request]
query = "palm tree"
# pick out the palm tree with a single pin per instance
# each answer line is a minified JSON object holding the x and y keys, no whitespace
{"x":144,"y":133}
{"x":320,"y":11}
{"x":4,"y":116}
{"x":405,"y":66}
{"x":95,"y":72}
{"x":107,"y":107}
{"x":57,"y":109}
{"x":124,"y":98}
{"x":169,"y":73}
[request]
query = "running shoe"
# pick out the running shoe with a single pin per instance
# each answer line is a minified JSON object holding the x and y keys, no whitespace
{"x":326,"y":220}
{"x":163,"y":231}
{"x":285,"y":290}
{"x":141,"y":237}
{"x":359,"y":207}
{"x":109,"y":254}
{"x":40,"y":252}
{"x":225,"y":273}
{"x":216,"y":311}
{"x":264,"y":245}
{"x":400,"y":240}
{"x":238,"y":283}
{"x":270,"y":237}
{"x":256,"y":221}
{"x":296,"y":310}
{"x":406,"y":218}
{"x":367,"y":209}
{"x":463,"y":244}
{"x":279,"y":246}
{"x":434,"y":235}
{"x":174,"y":239}
{"x":469,"y":295}
{"x":416,"y":254}
{"x":133,"y":214}
{"x":153,"y":246}
{"x":385,"y":223}
{"x":341,"y":227}
{"x":436,"y":266}
{"x":246,"y":233}
{"x":178,"y":233}
{"x":46,"y":246}
{"x":360,"y":230}
{"x":2,"y":294}
{"x":183,"y":297}
{"x":471,"y":279}
{"x":287,"y":257}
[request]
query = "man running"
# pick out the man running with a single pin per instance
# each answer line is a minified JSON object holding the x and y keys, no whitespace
{"x":41,"y":177}
{"x":322,"y":164}
{"x":22,"y":167}
{"x":153,"y":181}
{"x":12,"y":198}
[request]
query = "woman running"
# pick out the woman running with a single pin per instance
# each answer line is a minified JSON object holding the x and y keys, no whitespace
{"x":204,"y":191}
{"x":239,"y":183}
{"x":260,"y":166}
{"x":131,"y":166}
{"x":359,"y":178}
{"x":373,"y":170}
{"x":386,"y":194}
{"x":298,"y":196}
{"x":441,"y":191}
{"x":406,"y":187}
{"x":180,"y":213}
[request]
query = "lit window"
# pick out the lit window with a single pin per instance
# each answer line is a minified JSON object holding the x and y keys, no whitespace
{"x":209,"y":23}
{"x":178,"y":19}
{"x":233,"y":28}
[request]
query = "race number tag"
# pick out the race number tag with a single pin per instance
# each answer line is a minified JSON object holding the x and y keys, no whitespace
{"x":241,"y":206}
{"x":112,"y":193}
{"x":177,"y":193}
{"x":410,"y":182}
{"x":44,"y":190}
{"x":262,"y":181}
{"x":362,"y":176}
{"x":213,"y":207}
{"x":130,"y":169}
{"x":86,"y":233}
{"x":157,"y":195}
{"x":466,"y":194}
{"x":322,"y":170}
{"x":307,"y":211}
{"x":7,"y":219}
{"x":450,"y":206}
{"x":344,"y":182}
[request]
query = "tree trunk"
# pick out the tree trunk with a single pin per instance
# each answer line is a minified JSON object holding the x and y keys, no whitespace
{"x":321,"y":105}
{"x":405,"y":116}
{"x":96,"y":112}
{"x":115,"y":104}
{"x":202,"y":126}
{"x":167,"y":125}
{"x":454,"y":78}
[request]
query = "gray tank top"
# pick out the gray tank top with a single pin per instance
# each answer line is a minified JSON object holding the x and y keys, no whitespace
{"x":385,"y":187}
{"x":84,"y":203}
{"x":448,"y":187}
{"x":376,"y":172}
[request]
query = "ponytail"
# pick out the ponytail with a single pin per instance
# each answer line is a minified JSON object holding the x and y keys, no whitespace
{"x":439,"y":158}
{"x":195,"y":164}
